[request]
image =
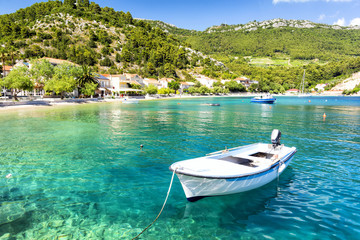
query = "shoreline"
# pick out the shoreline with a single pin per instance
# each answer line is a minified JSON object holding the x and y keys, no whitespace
{"x":21,"y":105}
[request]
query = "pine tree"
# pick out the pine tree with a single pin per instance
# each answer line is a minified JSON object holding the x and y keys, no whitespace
{"x":70,"y":3}
{"x":85,"y":3}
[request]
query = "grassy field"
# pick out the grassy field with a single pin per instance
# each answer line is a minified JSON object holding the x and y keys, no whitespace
{"x":280,"y":62}
{"x":268,"y":62}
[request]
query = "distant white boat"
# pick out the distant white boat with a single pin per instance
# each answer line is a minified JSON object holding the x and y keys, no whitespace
{"x":129,"y":101}
{"x":234,"y":170}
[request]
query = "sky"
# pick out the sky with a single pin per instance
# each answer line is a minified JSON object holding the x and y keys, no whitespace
{"x":201,"y":14}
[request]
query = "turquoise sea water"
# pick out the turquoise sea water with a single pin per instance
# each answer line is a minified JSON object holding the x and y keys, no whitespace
{"x":78,"y":172}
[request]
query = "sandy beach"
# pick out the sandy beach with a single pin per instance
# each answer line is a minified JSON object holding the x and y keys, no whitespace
{"x":47,"y":103}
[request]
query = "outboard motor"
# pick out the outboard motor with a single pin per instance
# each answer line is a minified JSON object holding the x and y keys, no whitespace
{"x":275,"y":138}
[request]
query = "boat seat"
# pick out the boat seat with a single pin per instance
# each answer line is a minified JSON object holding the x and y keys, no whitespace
{"x":236,"y":159}
{"x":254,"y":160}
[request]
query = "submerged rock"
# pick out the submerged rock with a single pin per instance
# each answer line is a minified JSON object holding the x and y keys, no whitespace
{"x":57,"y":223}
{"x":10,"y":212}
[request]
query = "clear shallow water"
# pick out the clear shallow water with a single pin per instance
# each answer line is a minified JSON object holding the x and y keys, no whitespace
{"x":78,"y":172}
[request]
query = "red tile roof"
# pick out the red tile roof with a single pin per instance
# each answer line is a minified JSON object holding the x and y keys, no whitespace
{"x":7,"y":68}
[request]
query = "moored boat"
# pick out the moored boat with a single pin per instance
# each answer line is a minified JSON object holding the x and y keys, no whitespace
{"x":233,"y":170}
{"x":264,"y":99}
{"x":129,"y":100}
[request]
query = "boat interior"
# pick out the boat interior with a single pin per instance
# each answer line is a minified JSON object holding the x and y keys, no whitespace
{"x":252,"y":160}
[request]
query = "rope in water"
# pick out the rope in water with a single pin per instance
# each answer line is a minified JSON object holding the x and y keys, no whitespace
{"x":172,"y":178}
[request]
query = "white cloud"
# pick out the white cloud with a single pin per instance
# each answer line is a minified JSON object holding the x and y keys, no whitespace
{"x":321,"y":17}
{"x":340,"y":22}
{"x":302,"y":1}
{"x":355,"y":21}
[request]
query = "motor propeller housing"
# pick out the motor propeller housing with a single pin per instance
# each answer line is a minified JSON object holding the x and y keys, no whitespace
{"x":275,"y":138}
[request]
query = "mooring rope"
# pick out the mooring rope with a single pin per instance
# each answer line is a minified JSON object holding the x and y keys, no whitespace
{"x":172,"y":178}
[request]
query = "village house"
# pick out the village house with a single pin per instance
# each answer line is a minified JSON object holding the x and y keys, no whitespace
{"x":122,"y":83}
{"x":320,"y":87}
{"x":6,"y":70}
{"x":243,"y":80}
{"x":104,"y":85}
{"x":21,"y":63}
{"x":165,"y":82}
{"x":292,"y":91}
{"x":185,"y":85}
{"x":152,"y":81}
{"x":208,"y":82}
{"x":134,"y":77}
{"x":246,"y":82}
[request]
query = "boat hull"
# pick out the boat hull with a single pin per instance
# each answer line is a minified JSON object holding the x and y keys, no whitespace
{"x":196,"y":187}
{"x":268,"y":101}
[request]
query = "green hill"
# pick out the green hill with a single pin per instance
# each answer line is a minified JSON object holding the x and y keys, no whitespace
{"x":303,"y":40}
{"x":110,"y":41}
{"x":274,"y":52}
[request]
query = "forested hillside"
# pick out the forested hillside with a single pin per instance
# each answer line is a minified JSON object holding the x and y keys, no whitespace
{"x":114,"y":42}
{"x":106,"y":39}
{"x":296,"y":39}
{"x":327,"y":53}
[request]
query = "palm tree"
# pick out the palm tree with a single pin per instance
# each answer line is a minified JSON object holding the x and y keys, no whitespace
{"x":86,"y":77}
{"x":3,"y":53}
{"x":12,"y":52}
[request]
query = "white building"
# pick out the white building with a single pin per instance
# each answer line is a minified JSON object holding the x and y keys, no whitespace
{"x":320,"y":87}
{"x":185,"y":85}
{"x":208,"y":82}
{"x":165,"y":82}
{"x":121,"y":83}
{"x":152,"y":81}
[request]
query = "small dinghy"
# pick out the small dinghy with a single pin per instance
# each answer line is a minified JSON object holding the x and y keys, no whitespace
{"x":233,"y":170}
{"x":129,"y":101}
{"x":212,"y":104}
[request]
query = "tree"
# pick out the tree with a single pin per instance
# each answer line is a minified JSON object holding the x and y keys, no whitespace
{"x":235,"y":87}
{"x":151,"y":89}
{"x":64,"y":79}
{"x":41,"y":71}
{"x":3,"y":52}
{"x":12,"y":53}
{"x":106,"y":62}
{"x":165,"y":91}
{"x":217,"y":90}
{"x":86,"y":81}
{"x":70,"y":3}
{"x":18,"y":79}
{"x":175,"y":85}
{"x":83,"y":3}
{"x":218,"y":84}
{"x":253,"y":87}
{"x":197,"y":84}
{"x":204,"y":90}
{"x":89,"y":89}
{"x":95,"y":8}
{"x":86,"y":76}
{"x":193,"y":90}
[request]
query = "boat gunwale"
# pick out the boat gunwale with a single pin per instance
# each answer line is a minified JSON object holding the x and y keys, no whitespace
{"x":286,"y":158}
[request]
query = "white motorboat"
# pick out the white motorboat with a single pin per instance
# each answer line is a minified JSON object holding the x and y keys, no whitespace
{"x":233,"y":170}
{"x":130,"y":100}
{"x":264,"y":99}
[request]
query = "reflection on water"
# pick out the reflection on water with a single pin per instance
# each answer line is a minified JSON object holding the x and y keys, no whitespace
{"x":78,"y":171}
